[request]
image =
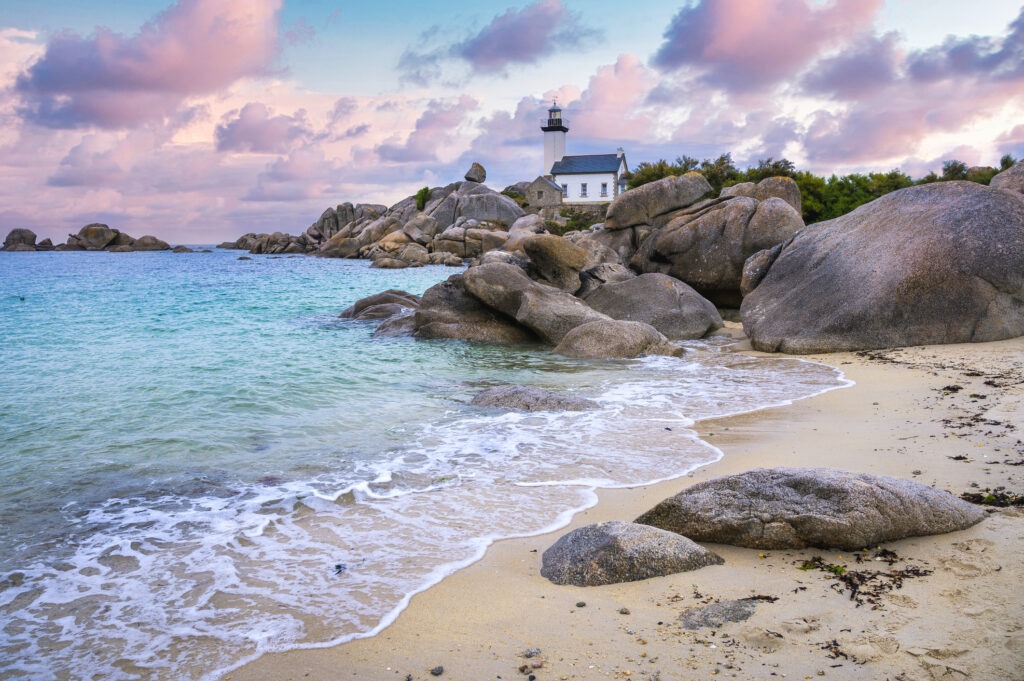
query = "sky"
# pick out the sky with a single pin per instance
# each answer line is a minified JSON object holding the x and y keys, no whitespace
{"x":200,"y":120}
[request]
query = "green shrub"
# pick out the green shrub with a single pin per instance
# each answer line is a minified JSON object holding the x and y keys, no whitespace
{"x":422,"y":196}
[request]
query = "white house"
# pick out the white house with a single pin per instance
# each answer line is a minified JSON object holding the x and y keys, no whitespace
{"x":590,"y":178}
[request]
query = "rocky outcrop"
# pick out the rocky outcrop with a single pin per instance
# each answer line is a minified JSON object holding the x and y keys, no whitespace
{"x":667,"y":304}
{"x":548,"y":312}
{"x":596,"y":277}
{"x":937,"y":263}
{"x":20,"y":239}
{"x":707,"y":244}
{"x":557,"y":261}
{"x":448,"y":311}
{"x":615,"y":552}
{"x":150,"y":243}
{"x":1011,"y":179}
{"x":612,"y":338}
{"x":528,"y":398}
{"x":643,"y":205}
{"x":93,"y":237}
{"x":784,"y":188}
{"x":795,"y":508}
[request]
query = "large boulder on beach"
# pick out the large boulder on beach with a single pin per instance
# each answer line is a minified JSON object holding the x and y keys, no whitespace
{"x":664,"y":302}
{"x":796,"y":508}
{"x":606,"y":338}
{"x":448,"y":311}
{"x":529,"y":398}
{"x":931,"y":264}
{"x":1011,"y":179}
{"x":616,"y":551}
{"x":20,"y":239}
{"x":641,"y":206}
{"x":707,"y":246}
{"x":547,"y":311}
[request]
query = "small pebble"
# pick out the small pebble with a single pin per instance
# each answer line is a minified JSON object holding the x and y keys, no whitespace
{"x":437,"y":671}
{"x":581,"y":604}
{"x":624,"y":611}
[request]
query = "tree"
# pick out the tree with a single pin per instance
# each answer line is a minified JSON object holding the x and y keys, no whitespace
{"x":954,"y":170}
{"x":769,"y":167}
{"x":720,"y":172}
{"x":1006,"y":162}
{"x":812,"y":196}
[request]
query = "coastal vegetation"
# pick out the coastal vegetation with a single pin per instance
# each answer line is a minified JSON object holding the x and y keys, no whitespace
{"x":821,"y":198}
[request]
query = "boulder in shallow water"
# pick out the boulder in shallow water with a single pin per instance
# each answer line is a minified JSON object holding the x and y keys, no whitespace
{"x":615,"y":552}
{"x":796,"y":508}
{"x":449,"y":311}
{"x":664,"y":302}
{"x":528,"y":398}
{"x":391,"y":296}
{"x":608,"y":338}
{"x":547,"y":311}
{"x":20,"y":237}
{"x":94,"y":237}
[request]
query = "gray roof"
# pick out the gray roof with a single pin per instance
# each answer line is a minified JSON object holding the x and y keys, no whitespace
{"x":591,"y":163}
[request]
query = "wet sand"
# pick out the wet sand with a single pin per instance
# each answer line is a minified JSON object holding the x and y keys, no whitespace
{"x":949,"y":416}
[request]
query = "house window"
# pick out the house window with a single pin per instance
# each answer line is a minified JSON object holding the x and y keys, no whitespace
{"x":583,"y":189}
{"x":604,"y":189}
{"x":540,"y":195}
{"x":565,"y":190}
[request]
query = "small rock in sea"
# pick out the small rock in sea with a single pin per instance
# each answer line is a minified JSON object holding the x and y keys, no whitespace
{"x":244,"y":257}
{"x":581,"y":604}
{"x":437,"y":671}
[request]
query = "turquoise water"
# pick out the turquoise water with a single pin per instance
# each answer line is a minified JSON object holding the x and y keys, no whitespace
{"x":202,"y":463}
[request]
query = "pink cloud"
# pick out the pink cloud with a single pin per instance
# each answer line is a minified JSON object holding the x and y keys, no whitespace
{"x":611,"y":105}
{"x":524,"y":36}
{"x":435,"y":130}
{"x":741,"y":45}
{"x":113,"y":81}
{"x":255,"y":129}
{"x":518,"y":36}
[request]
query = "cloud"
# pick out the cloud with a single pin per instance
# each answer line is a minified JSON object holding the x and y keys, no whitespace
{"x":435,"y":131}
{"x":743,"y":45}
{"x":519,"y":36}
{"x":871,"y":64}
{"x":113,"y":81}
{"x":254,"y":129}
{"x":980,"y":56}
{"x":301,"y":175}
{"x":524,"y":37}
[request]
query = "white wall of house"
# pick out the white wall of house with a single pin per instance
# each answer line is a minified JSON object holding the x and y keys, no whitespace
{"x":593,"y":183}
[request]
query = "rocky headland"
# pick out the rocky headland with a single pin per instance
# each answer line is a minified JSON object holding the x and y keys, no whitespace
{"x":936,"y":263}
{"x":92,"y":237}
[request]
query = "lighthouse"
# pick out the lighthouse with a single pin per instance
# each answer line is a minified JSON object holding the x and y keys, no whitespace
{"x":554,"y":129}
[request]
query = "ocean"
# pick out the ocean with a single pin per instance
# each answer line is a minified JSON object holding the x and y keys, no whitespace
{"x":201,"y":462}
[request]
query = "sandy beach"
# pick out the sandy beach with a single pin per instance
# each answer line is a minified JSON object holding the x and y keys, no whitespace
{"x":949,"y":416}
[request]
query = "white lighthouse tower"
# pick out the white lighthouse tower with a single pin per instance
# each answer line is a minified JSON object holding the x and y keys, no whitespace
{"x":554,"y":129}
